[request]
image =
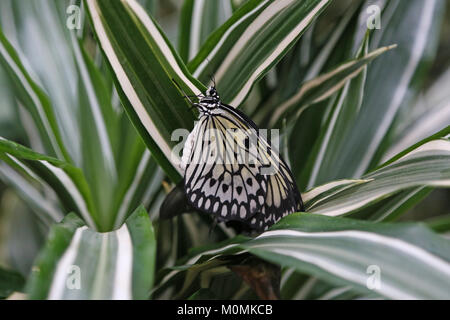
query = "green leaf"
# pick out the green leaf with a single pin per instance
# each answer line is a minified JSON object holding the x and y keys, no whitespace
{"x":247,"y":46}
{"x":322,"y":87}
{"x":41,"y":25}
{"x":394,"y":206}
{"x":425,"y":165}
{"x":334,"y":50}
{"x":79,"y":263}
{"x":199,"y":18}
{"x":31,"y":193}
{"x":98,"y":161}
{"x":343,"y":112}
{"x":67,"y":181}
{"x":429,"y":114}
{"x":319,"y":246}
{"x":34,"y":99}
{"x":140,"y":188}
{"x":10,"y":281}
{"x":414,"y":26}
{"x":439,"y":224}
{"x":145,"y":67}
{"x":315,"y":243}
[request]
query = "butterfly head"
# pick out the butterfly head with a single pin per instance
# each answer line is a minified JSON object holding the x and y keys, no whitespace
{"x":211,"y":92}
{"x":209,"y":101}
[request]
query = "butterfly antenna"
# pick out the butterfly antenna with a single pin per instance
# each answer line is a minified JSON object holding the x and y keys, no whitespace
{"x":213,"y":80}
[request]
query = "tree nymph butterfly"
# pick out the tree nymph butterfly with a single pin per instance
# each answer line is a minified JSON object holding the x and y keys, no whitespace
{"x":231,"y":170}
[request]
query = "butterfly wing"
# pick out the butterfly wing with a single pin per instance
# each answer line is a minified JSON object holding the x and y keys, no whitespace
{"x":232,"y":172}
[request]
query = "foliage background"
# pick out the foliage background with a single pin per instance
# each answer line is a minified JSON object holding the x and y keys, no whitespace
{"x":60,"y":63}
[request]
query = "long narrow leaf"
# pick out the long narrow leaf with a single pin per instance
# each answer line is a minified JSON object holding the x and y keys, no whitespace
{"x":145,"y":67}
{"x":34,"y":99}
{"x":325,"y":85}
{"x":67,"y":181}
{"x":319,"y":246}
{"x":198,"y":19}
{"x":413,"y":26}
{"x":30,"y":192}
{"x":79,"y":263}
{"x":426,"y":165}
{"x":10,"y":281}
{"x":240,"y":52}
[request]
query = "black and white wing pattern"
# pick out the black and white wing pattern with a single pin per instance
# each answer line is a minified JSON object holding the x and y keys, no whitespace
{"x":232,"y":172}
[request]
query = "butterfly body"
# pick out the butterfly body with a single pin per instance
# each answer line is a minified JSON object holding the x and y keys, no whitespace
{"x":231,"y":170}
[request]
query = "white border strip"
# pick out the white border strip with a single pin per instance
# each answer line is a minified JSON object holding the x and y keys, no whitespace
{"x":73,"y":191}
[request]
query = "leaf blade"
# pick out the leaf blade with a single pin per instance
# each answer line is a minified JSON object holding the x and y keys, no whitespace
{"x":109,"y":265}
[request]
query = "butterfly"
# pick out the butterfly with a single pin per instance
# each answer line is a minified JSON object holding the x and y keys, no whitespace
{"x":231,"y":170}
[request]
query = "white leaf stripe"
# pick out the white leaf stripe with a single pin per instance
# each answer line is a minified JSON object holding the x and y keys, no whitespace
{"x":36,"y":101}
{"x":420,"y":42}
{"x":340,"y":271}
{"x":27,"y":170}
{"x":435,"y":145}
{"x":426,"y":165}
{"x":29,"y":192}
{"x":156,"y":35}
{"x":105,"y":143}
{"x":72,"y":190}
{"x":281,"y":47}
{"x":123,"y":257}
{"x":394,"y":243}
{"x":317,"y":255}
{"x":426,"y":125}
{"x":266,"y":15}
{"x":125,"y":204}
{"x":384,"y":213}
{"x":324,"y":196}
{"x":199,"y":16}
{"x":310,"y":85}
{"x":124,"y":265}
{"x":194,"y":259}
{"x":196,"y":23}
{"x":334,"y":293}
{"x":326,"y":138}
{"x":124,"y":81}
{"x":313,"y":193}
{"x":306,"y":288}
{"x":101,"y":272}
{"x":217,"y":47}
{"x":64,"y":266}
